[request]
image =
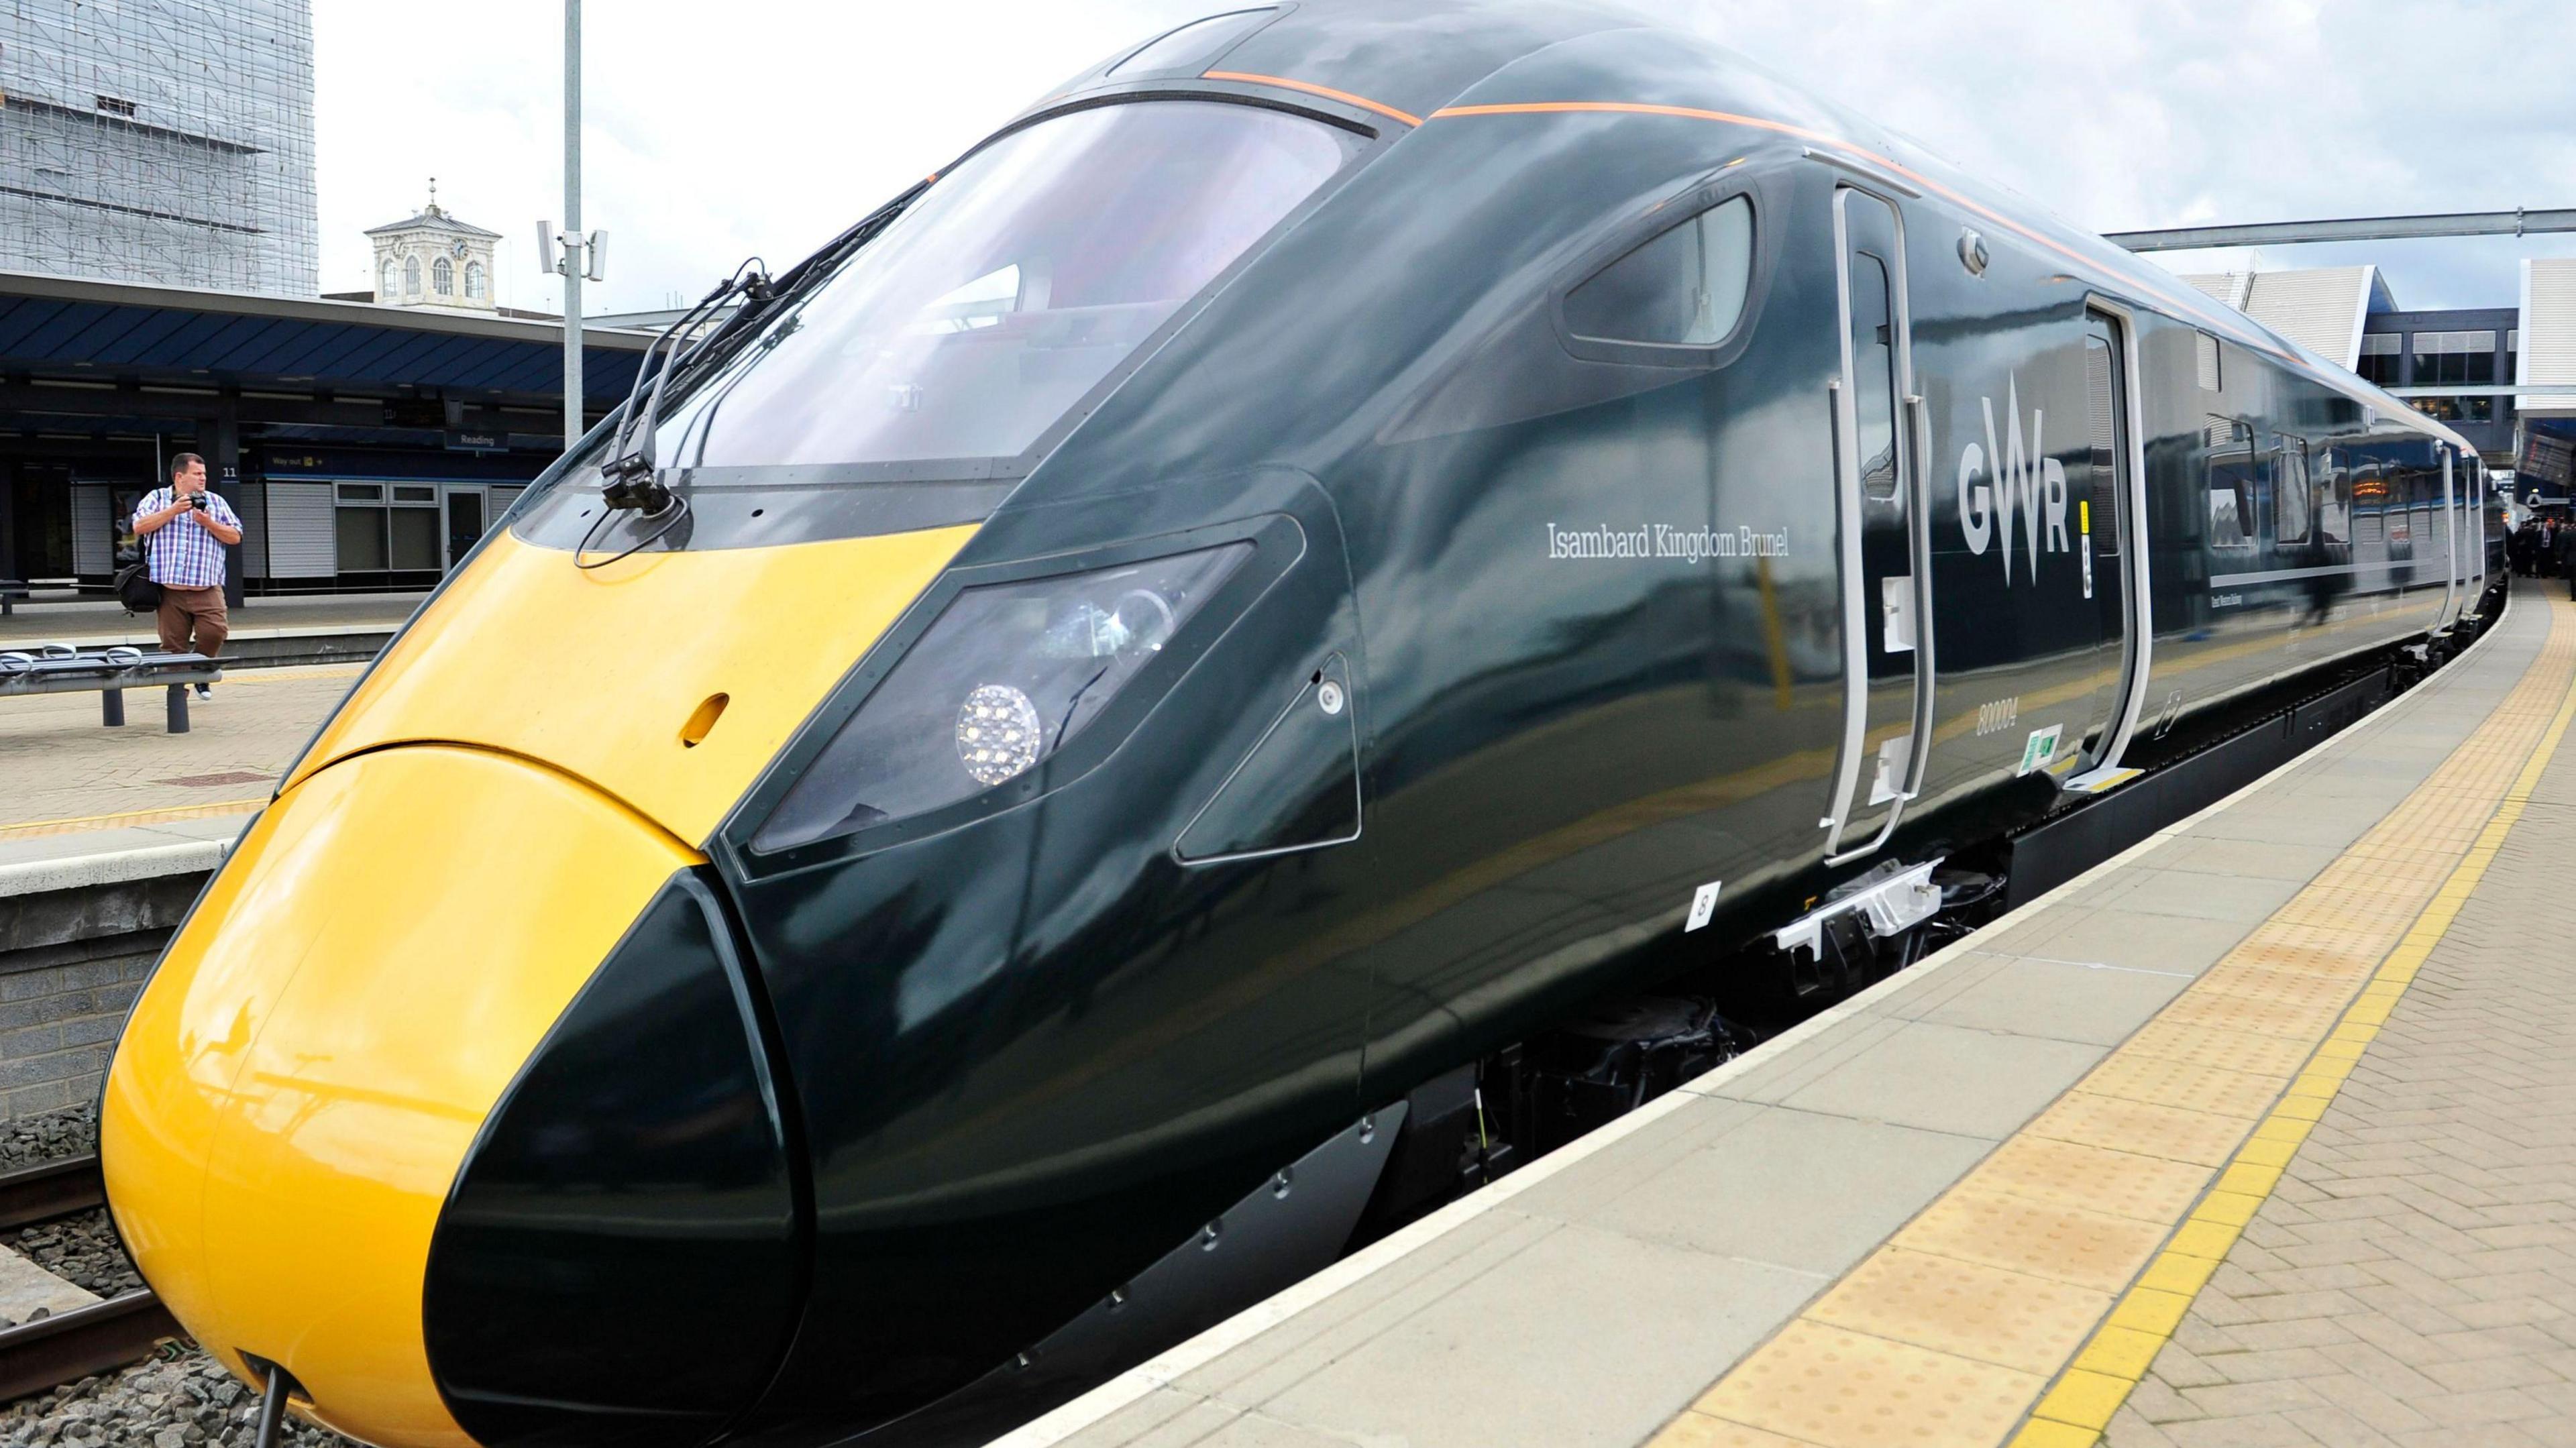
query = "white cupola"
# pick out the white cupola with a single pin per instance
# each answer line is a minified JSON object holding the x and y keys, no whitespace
{"x":434,"y":260}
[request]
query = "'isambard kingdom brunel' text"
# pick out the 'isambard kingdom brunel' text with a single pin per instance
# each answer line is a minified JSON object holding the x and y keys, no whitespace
{"x":1662,"y":540}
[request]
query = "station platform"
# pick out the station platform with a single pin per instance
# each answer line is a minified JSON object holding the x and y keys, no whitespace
{"x":2263,"y":1132}
{"x":70,"y":786}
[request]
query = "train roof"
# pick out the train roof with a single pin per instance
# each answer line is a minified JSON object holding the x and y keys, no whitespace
{"x":1415,"y":64}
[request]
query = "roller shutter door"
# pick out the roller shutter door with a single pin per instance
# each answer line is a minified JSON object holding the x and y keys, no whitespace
{"x":93,"y":538}
{"x":300,"y":541}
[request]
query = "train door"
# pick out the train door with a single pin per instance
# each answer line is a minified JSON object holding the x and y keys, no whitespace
{"x":2112,"y":545}
{"x":466,"y":521}
{"x":1885,"y":538}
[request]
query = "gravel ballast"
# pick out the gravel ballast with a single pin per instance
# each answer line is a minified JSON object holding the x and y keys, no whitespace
{"x":184,"y":1401}
{"x":50,"y":1137}
{"x":177,"y":1404}
{"x":81,"y":1249}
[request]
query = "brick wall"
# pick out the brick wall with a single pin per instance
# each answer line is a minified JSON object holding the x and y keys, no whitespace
{"x":71,"y":963}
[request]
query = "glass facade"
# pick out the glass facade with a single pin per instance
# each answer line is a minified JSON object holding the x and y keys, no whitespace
{"x":2382,"y":359}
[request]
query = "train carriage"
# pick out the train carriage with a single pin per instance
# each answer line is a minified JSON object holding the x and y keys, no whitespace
{"x":950,"y":844}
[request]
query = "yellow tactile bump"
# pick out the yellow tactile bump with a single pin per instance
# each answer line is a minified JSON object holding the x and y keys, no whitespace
{"x":1842,"y":1389}
{"x":1988,"y":1313}
{"x":2251,"y":1014}
{"x":2209,"y":1046}
{"x":2324,"y":952}
{"x":2075,"y":1245}
{"x":2188,"y":1084}
{"x":2200,"y":1137}
{"x":2243,"y":975}
{"x":2070,"y":1174}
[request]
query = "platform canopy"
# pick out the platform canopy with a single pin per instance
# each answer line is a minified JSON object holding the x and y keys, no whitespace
{"x":140,"y":339}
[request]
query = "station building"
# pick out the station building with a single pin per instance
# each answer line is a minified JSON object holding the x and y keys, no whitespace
{"x":365,"y":446}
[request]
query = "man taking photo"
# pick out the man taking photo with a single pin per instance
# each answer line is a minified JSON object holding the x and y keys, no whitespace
{"x":184,"y":529}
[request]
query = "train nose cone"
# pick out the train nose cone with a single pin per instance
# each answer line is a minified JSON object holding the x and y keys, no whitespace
{"x":301,"y":1084}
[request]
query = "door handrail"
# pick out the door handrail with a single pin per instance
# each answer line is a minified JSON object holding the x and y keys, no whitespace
{"x":1855,"y":642}
{"x":2451,"y":535}
{"x":1918,"y":538}
{"x":1927,"y":674}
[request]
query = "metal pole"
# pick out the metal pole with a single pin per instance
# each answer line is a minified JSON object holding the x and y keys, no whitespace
{"x":569,"y":262}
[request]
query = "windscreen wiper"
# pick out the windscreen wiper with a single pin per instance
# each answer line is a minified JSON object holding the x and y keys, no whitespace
{"x":629,"y":474}
{"x":631,"y":478}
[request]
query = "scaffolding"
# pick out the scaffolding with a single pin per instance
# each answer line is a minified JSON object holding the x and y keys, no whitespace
{"x":166,"y":141}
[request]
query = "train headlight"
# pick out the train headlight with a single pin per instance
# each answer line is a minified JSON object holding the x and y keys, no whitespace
{"x":997,"y":733}
{"x":1007,"y":675}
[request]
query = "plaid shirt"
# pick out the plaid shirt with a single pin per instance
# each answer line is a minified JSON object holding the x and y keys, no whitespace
{"x":183,"y":553}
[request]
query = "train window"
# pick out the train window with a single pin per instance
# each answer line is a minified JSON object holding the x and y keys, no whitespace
{"x":2332,"y":480}
{"x":1010,"y":290}
{"x":2205,"y":357}
{"x":2102,"y":420}
{"x":1873,"y":377}
{"x":2291,"y":516}
{"x":1684,"y":288}
{"x":2231,"y":502}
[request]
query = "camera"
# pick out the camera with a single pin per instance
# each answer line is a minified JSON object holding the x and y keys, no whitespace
{"x":197,"y":501}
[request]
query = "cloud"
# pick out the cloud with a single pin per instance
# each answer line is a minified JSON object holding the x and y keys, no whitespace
{"x":717,"y":132}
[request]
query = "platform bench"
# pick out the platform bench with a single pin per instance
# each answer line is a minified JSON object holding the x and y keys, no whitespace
{"x":62,"y":669}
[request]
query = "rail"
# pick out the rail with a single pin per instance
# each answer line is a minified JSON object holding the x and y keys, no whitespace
{"x":38,"y":1356}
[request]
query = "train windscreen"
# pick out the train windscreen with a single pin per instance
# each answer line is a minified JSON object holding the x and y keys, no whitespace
{"x":1008,"y":291}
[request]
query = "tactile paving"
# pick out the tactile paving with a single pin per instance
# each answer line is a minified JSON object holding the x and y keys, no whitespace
{"x":2239,"y":977}
{"x":2251,"y":1014}
{"x":2186,"y":1084}
{"x":2200,"y":1137}
{"x":1988,"y":1313}
{"x":1843,"y":1389}
{"x":2209,"y":1046}
{"x":2073,"y":1245}
{"x":2069,"y":1174}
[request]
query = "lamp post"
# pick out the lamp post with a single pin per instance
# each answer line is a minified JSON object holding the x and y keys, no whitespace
{"x":573,"y":428}
{"x":570,"y":254}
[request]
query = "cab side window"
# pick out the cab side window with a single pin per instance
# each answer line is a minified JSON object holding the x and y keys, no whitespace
{"x":1683,"y":288}
{"x":2234,"y":481}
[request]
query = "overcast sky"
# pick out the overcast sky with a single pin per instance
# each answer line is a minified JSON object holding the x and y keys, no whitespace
{"x":764,"y":126}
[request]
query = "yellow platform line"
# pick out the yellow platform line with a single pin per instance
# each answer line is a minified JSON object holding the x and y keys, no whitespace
{"x":2063,"y":1244}
{"x":74,"y":825}
{"x":2079,"y":1405}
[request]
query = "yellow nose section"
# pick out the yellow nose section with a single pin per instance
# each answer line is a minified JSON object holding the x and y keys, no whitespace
{"x":302,"y":1080}
{"x":669,"y":680}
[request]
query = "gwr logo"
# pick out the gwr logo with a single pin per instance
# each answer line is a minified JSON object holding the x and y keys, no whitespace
{"x":2029,"y":483}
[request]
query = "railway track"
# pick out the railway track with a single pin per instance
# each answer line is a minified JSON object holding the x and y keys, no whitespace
{"x":68,"y":1346}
